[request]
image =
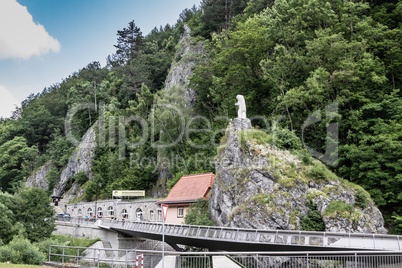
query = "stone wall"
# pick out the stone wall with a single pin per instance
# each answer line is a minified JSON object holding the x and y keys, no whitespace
{"x":151,"y":211}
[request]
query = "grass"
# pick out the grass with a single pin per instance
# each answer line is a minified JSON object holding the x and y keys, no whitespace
{"x":5,"y":265}
{"x":338,"y":207}
{"x":76,"y":242}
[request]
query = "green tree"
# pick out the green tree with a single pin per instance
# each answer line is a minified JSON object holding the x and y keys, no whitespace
{"x":198,"y":214}
{"x":7,"y":220}
{"x":129,"y":43}
{"x":13,"y":153}
{"x":33,"y":210}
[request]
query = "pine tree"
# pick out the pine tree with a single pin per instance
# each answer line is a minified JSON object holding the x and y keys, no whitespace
{"x":129,"y":43}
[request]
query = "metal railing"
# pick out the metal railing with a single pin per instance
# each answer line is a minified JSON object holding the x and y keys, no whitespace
{"x":278,"y":237}
{"x":99,"y":257}
{"x":319,"y":260}
{"x":80,"y":220}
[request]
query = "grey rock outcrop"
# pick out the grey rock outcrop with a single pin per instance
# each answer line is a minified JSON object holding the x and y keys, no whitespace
{"x":38,"y":179}
{"x":188,"y":55}
{"x":260,"y":186}
{"x":80,"y":161}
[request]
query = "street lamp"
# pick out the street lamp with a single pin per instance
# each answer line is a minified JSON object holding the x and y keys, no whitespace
{"x":96,"y":200}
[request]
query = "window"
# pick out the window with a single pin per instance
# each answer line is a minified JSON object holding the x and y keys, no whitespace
{"x":100,"y":212}
{"x":80,"y":213}
{"x":124,"y":214}
{"x":90,"y":213}
{"x":110,"y":211}
{"x":151,"y":215}
{"x":138,"y":214}
{"x":180,"y":212}
{"x":159,"y":215}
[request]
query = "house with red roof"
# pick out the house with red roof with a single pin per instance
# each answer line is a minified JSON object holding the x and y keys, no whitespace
{"x":186,"y":191}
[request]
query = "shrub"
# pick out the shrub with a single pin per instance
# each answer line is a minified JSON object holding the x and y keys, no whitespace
{"x":305,"y":157}
{"x":339,"y":207}
{"x":287,"y":140}
{"x":27,"y":253}
{"x":361,"y":199}
{"x":318,"y":171}
{"x":397,"y":224}
{"x":81,"y":178}
{"x":198,"y":214}
{"x":259,"y":137}
{"x":9,"y":254}
{"x":313,"y":220}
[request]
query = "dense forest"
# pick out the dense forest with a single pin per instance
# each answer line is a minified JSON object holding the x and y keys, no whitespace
{"x":330,"y":61}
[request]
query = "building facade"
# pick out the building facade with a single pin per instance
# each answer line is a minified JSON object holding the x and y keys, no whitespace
{"x":186,"y":192}
{"x":137,"y":210}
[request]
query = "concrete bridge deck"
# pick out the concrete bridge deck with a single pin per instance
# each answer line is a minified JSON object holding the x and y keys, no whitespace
{"x":237,"y":239}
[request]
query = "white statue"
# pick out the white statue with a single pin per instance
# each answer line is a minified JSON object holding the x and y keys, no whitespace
{"x":241,"y":113}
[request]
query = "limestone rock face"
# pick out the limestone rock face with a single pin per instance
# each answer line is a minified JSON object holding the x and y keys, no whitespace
{"x":160,"y":190}
{"x":187,"y":56}
{"x":80,"y":161}
{"x":260,"y":186}
{"x":38,"y":179}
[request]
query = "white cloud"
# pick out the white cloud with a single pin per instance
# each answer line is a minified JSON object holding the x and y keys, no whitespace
{"x":7,"y":102}
{"x":20,"y":36}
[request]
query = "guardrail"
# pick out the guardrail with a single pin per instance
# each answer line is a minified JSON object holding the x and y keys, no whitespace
{"x":81,"y":220}
{"x":99,"y":257}
{"x":278,"y":237}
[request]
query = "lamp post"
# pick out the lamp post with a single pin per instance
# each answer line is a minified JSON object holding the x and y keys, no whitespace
{"x":96,"y":200}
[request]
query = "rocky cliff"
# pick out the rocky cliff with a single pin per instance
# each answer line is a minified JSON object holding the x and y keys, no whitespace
{"x":38,"y":179}
{"x":189,"y":53}
{"x":259,"y":186}
{"x":80,"y":161}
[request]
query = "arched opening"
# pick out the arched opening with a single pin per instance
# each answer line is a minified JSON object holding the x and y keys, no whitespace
{"x":110,"y":211}
{"x":124,"y":214}
{"x":100,"y":212}
{"x":138,"y":214}
{"x":90,"y":213}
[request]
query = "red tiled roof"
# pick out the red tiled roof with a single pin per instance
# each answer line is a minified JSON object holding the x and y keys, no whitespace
{"x":190,"y":188}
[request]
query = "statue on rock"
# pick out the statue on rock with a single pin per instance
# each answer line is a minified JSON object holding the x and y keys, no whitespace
{"x":241,"y":122}
{"x":241,"y":113}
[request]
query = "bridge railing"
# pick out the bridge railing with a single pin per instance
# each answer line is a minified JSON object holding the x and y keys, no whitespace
{"x":99,"y":257}
{"x":78,"y":220}
{"x":303,"y":238}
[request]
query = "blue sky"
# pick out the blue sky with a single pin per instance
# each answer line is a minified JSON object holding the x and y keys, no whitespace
{"x":51,"y":39}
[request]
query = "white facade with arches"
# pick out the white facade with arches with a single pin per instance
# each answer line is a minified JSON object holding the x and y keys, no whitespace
{"x":136,"y":210}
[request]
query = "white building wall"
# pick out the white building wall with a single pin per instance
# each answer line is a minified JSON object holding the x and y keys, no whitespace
{"x":116,"y":208}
